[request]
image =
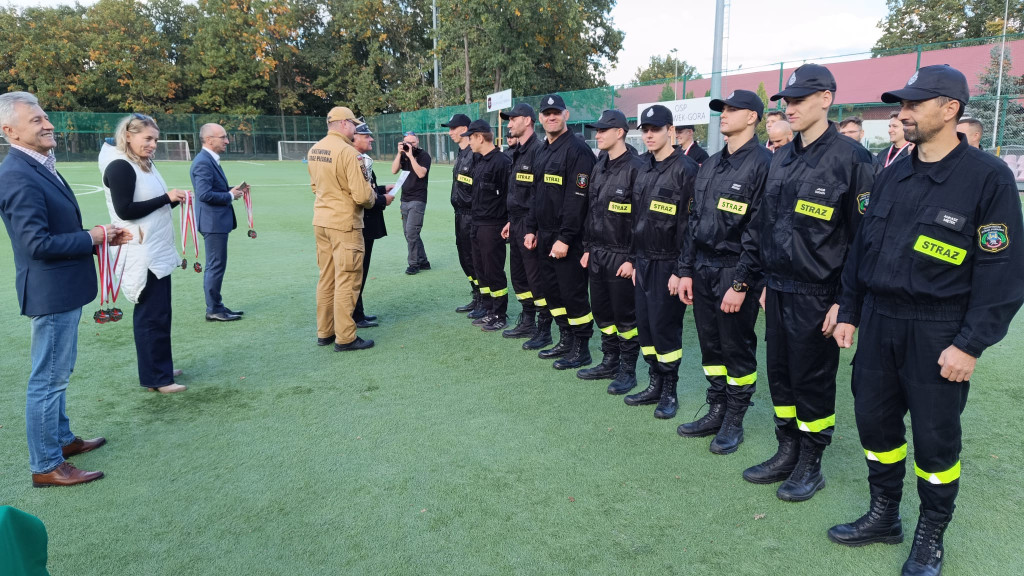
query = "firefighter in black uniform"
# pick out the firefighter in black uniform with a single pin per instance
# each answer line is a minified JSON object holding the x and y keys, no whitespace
{"x":607,"y":237}
{"x":726,"y":197}
{"x":934,"y":278}
{"x":818,"y":187}
{"x":562,"y":167}
{"x":462,"y":196}
{"x":661,"y":203}
{"x":689,"y":146}
{"x":490,"y":213}
{"x":524,"y":266}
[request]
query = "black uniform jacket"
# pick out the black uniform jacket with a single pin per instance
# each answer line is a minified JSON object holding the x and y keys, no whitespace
{"x":698,"y":154}
{"x":562,"y":177}
{"x":726,"y":196}
{"x":943,"y":237}
{"x":812,"y":205}
{"x":462,"y":181}
{"x":373,"y":217}
{"x":661,"y":206}
{"x":521,"y":183}
{"x":609,"y":223}
{"x":490,"y":187}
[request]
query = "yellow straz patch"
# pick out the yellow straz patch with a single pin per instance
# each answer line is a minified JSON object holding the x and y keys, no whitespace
{"x":940,"y":250}
{"x":663,"y":207}
{"x":620,"y":207}
{"x":520,"y":177}
{"x":814,"y":210}
{"x":552,"y":179}
{"x":733,"y":206}
{"x":465,"y":179}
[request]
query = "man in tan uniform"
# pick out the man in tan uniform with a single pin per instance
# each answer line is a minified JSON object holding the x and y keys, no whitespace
{"x":342,"y":187}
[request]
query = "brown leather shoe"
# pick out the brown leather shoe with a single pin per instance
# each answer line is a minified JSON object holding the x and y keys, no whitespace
{"x":79,"y":446}
{"x":64,"y":475}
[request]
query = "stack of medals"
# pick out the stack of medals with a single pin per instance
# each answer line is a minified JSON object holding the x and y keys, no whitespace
{"x":248,"y":212}
{"x":110,"y":274}
{"x":187,"y":217}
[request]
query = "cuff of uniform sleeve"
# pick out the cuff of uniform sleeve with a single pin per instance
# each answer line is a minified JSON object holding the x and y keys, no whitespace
{"x":967,"y":346}
{"x":848,"y":317}
{"x":563,"y":240}
{"x":684,"y":272}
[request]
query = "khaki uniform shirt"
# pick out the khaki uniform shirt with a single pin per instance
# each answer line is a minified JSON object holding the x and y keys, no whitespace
{"x":340,"y":182}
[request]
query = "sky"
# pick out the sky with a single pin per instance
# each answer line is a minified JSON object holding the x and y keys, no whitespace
{"x":794,"y":30}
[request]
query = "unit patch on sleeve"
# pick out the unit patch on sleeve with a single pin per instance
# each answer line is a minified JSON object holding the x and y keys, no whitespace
{"x":862,"y":201}
{"x":993,"y":237}
{"x":582,"y":180}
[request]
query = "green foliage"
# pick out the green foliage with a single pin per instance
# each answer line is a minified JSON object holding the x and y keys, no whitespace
{"x":667,"y":93}
{"x":912,"y":22}
{"x":762,"y":132}
{"x":665,"y":67}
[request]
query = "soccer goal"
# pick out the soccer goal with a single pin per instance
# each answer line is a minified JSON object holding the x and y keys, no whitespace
{"x":4,"y":149}
{"x":293,"y":149}
{"x":173,"y":150}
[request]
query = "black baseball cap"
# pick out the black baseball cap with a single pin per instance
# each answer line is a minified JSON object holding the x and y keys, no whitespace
{"x":742,"y":99}
{"x":656,"y":115}
{"x":364,"y":129}
{"x":685,"y":127}
{"x":457,"y":121}
{"x":478,"y":127}
{"x":807,"y":80}
{"x":521,"y":109}
{"x":610,"y":119}
{"x":931,"y":82}
{"x":551,"y":102}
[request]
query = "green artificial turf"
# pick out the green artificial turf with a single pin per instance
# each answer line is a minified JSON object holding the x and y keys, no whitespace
{"x":444,"y":449}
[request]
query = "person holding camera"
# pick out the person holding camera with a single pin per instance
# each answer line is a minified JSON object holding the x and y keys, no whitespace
{"x":414,"y":160}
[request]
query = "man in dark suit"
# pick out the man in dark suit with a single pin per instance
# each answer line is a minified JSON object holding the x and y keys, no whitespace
{"x":373,"y":221}
{"x":215,"y":216}
{"x":54,"y":279}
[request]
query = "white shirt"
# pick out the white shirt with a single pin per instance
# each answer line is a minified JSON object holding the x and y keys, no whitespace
{"x":216,"y":157}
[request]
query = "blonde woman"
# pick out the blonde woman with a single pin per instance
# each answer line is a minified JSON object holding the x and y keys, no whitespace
{"x":138,"y":200}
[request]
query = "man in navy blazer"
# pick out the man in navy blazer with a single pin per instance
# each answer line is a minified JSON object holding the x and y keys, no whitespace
{"x":215,"y":216}
{"x":54,"y":279}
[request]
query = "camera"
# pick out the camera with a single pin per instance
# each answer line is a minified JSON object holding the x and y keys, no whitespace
{"x":405,"y":147}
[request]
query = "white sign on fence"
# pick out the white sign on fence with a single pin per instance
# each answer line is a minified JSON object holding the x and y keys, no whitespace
{"x":499,"y":100}
{"x":684,"y":112}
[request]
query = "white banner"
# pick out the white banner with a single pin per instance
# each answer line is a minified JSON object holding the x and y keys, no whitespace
{"x":499,"y":100}
{"x":684,"y":112}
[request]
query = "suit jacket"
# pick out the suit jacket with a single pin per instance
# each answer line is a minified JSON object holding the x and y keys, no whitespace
{"x":52,"y":252}
{"x":373,"y":217}
{"x":214,"y":203}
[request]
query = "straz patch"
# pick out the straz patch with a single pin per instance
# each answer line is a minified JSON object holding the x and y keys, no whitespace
{"x":465,"y":179}
{"x":663,"y":207}
{"x":736,"y":186}
{"x":582,"y":180}
{"x":520,"y":177}
{"x":814,"y":210}
{"x":940,"y":250}
{"x":862,"y":201}
{"x":733,"y":206}
{"x":553,"y":179}
{"x":950,"y":220}
{"x":993,"y":237}
{"x":620,"y":207}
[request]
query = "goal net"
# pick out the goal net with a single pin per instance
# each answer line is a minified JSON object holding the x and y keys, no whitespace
{"x":173,"y":150}
{"x":293,"y":149}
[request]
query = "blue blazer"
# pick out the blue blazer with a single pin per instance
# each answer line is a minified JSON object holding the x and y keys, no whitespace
{"x":214,"y":210}
{"x":52,"y":252}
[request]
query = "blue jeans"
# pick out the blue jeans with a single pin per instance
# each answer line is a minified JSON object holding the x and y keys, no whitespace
{"x":54,"y":350}
{"x":412,"y":223}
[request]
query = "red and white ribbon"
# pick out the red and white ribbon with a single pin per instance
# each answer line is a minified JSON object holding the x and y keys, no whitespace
{"x":187,"y":218}
{"x":110,"y":273}
{"x":248,"y":206}
{"x":890,"y":157}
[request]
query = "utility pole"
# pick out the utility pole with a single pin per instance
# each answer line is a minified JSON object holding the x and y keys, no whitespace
{"x":675,"y":51}
{"x":999,"y":82}
{"x":714,"y":136}
{"x":437,"y":78}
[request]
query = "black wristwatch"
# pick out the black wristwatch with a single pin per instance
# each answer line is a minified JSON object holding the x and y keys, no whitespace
{"x":739,"y":286}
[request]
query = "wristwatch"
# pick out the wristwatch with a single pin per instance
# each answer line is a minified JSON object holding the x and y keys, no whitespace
{"x":739,"y":286}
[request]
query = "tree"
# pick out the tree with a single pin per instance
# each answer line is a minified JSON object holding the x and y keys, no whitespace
{"x":762,"y":131}
{"x":912,"y":22}
{"x":47,"y":56}
{"x":983,"y":106}
{"x":667,"y":93}
{"x":659,"y":68}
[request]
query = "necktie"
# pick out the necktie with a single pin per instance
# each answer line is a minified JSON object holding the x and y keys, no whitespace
{"x":51,"y":165}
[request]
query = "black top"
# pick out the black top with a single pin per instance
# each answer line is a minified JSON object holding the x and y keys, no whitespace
{"x":462,"y":181}
{"x":698,"y":154}
{"x":414,"y":189}
{"x":119,"y":177}
{"x":490,"y":185}
{"x":373,"y":217}
{"x":521,"y":179}
{"x":609,"y":224}
{"x":661,"y":206}
{"x":943,"y":238}
{"x":562,"y":178}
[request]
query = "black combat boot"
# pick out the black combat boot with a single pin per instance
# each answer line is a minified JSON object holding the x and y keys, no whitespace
{"x":469,"y":307}
{"x":482,"y":308}
{"x":625,"y":380}
{"x":730,"y":436}
{"x":882,"y":524}
{"x":926,"y":553}
{"x":563,"y":347}
{"x":650,"y":395}
{"x":542,"y":335}
{"x":806,"y":479}
{"x":609,"y":365}
{"x":705,"y":425}
{"x":781,"y":465}
{"x":668,"y":403}
{"x":525,"y":327}
{"x":578,"y":356}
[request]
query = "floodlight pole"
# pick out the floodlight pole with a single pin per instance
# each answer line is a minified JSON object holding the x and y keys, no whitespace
{"x":674,"y":51}
{"x":999,"y":82}
{"x":437,"y":77}
{"x":714,"y":136}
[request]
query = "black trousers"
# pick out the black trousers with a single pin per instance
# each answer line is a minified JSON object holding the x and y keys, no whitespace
{"x":524,"y":267}
{"x":611,"y":297}
{"x":489,"y":263}
{"x":728,"y":345}
{"x":464,"y":247}
{"x":659,"y":316}
{"x":152,"y":323}
{"x":565,"y":286}
{"x":895,"y":371}
{"x":802,"y":363}
{"x":358,"y":314}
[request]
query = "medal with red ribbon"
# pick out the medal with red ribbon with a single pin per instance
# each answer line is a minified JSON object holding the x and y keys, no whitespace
{"x":247,"y":199}
{"x":110,"y":275}
{"x":187,"y":218}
